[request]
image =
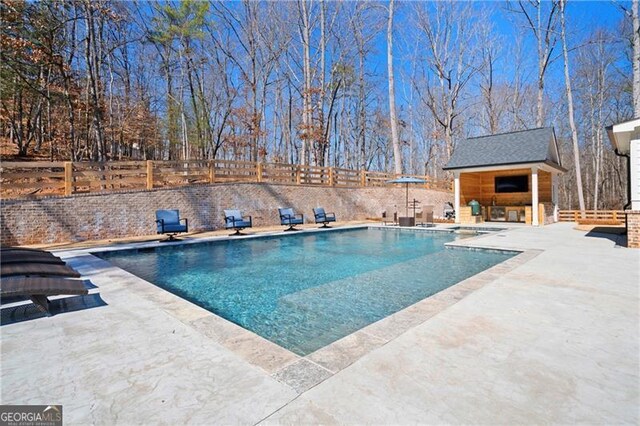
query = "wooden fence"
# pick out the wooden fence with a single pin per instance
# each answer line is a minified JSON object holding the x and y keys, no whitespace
{"x":40,"y":178}
{"x":605,"y":217}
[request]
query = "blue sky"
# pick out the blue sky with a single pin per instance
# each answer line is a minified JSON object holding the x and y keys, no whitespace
{"x":582,"y":18}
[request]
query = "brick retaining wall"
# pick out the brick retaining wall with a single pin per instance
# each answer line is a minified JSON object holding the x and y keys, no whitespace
{"x":100,"y":216}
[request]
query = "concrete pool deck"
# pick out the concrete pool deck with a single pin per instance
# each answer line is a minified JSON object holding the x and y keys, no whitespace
{"x":552,"y":340}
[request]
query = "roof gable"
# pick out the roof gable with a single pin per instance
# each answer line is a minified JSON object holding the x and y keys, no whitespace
{"x":526,"y":146}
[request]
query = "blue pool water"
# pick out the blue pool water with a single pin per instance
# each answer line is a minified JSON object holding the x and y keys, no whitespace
{"x":305,"y":291}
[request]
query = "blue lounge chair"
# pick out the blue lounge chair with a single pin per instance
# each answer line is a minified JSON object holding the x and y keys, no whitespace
{"x":322,"y":217}
{"x":289,"y":218}
{"x":233,"y":219}
{"x":169,"y":222}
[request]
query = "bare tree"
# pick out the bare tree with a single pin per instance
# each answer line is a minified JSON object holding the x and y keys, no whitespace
{"x":543,"y":28}
{"x":452,"y":60}
{"x":304,"y":28}
{"x":395,"y":140}
{"x":572,"y":124}
{"x":364,"y":23}
{"x":495,"y":94}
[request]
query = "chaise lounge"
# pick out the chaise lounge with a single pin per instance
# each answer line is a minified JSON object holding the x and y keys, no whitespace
{"x":169,"y":222}
{"x":234,"y":220}
{"x":19,"y":256}
{"x":35,"y":268}
{"x":324,"y":218}
{"x":425,"y":217}
{"x":36,"y":274}
{"x":289,"y":218}
{"x":24,"y":259}
{"x":389,"y":215}
{"x":8,"y":249}
{"x":39,"y":288}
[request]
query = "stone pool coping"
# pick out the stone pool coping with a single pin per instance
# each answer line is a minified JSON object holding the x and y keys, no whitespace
{"x":299,"y":372}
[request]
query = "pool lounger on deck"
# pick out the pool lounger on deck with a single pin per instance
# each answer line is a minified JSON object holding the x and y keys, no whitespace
{"x":389,"y":215}
{"x":38,"y":288}
{"x":425,"y":217}
{"x":289,"y":218}
{"x":10,"y":257}
{"x":8,"y":249}
{"x":43,"y":269}
{"x":324,"y":218}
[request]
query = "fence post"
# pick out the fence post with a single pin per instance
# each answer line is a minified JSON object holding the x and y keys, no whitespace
{"x":575,"y":216}
{"x":259,"y":171}
{"x":363,"y":177}
{"x":331,"y":176}
{"x":149,"y":174}
{"x":212,"y":171}
{"x":615,"y":215}
{"x":68,"y":178}
{"x":297,"y":175}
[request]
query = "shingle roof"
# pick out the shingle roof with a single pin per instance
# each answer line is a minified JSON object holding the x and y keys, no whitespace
{"x":526,"y":146}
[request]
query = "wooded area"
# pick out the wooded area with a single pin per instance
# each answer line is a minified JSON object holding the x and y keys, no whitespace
{"x":382,"y":86}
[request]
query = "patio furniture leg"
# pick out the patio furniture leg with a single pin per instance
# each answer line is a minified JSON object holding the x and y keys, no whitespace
{"x":41,"y":302}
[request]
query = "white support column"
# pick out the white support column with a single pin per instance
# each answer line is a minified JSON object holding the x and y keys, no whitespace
{"x":554,"y":195}
{"x":534,"y":196}
{"x":456,"y":194}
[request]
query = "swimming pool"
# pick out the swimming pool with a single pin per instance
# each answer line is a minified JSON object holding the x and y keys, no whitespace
{"x":305,"y":291}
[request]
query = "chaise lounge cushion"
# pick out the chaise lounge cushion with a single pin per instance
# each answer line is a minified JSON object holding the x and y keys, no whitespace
{"x":173,"y":227}
{"x":7,"y":257}
{"x":43,"y":269}
{"x":46,"y":286}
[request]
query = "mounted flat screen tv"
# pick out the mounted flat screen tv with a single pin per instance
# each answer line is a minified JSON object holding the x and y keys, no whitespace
{"x":512,"y":184}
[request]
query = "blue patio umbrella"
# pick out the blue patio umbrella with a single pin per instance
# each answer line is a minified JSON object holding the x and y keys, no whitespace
{"x":407,"y":181}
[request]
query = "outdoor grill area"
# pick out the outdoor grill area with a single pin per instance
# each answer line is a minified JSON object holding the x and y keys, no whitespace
{"x":509,"y":177}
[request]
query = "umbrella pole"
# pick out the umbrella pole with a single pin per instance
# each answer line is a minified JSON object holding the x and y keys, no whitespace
{"x":406,"y":202}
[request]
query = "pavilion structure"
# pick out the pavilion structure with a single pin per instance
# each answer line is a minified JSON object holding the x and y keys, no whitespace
{"x":513,"y":176}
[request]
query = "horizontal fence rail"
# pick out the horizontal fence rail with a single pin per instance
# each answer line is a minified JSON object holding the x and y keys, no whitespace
{"x":43,"y":178}
{"x":610,"y":217}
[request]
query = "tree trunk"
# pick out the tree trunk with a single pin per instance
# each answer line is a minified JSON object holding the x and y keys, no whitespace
{"x":540,"y":111}
{"x":362,"y":111}
{"x":319,"y":139}
{"x":574,"y":131}
{"x":306,"y":94}
{"x":93,"y":64}
{"x":395,"y":140}
{"x":602,"y":75}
